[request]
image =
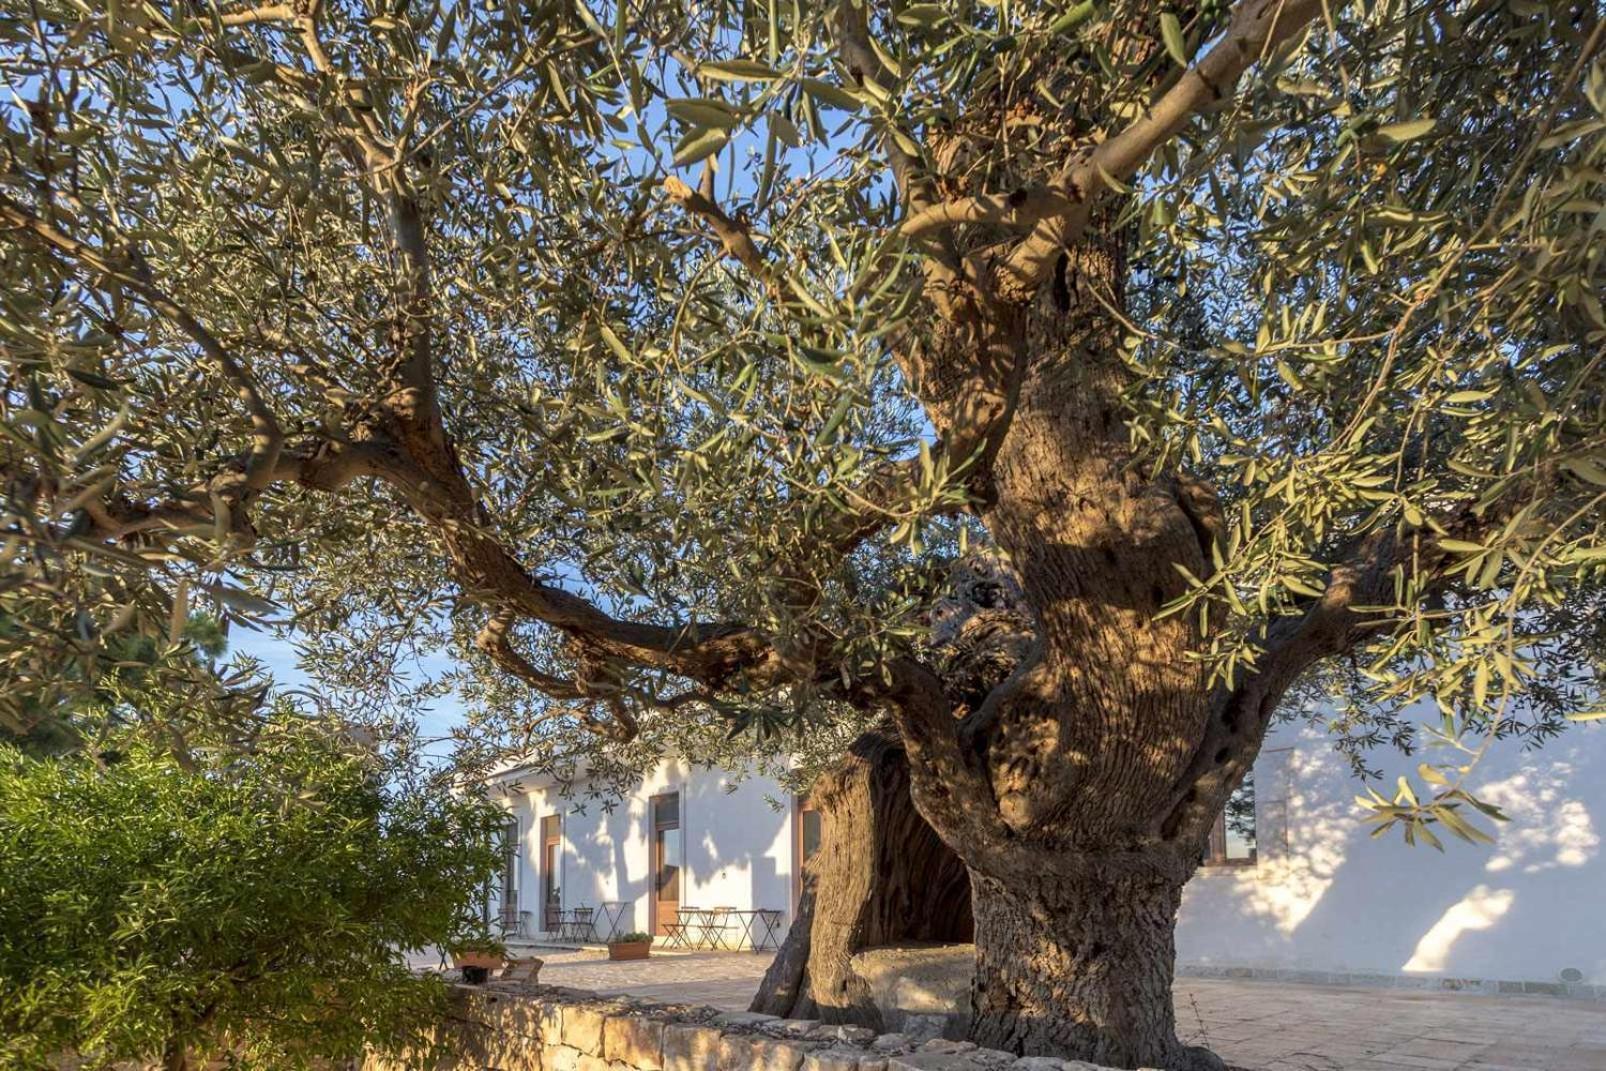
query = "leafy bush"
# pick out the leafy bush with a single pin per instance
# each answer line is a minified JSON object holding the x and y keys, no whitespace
{"x":631,"y":938}
{"x":260,"y":904}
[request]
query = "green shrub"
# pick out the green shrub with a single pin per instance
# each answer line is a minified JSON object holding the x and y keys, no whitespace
{"x":152,"y":908}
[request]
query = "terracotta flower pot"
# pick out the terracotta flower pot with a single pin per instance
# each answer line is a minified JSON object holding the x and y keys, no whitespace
{"x":477,"y":966}
{"x":629,"y":949}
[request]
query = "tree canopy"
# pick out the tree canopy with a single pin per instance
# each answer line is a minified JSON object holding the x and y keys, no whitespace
{"x":614,"y":347}
{"x":666,"y":360}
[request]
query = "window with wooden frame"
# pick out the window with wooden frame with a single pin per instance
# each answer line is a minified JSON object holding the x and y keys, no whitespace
{"x":510,"y":867}
{"x":551,"y":860}
{"x":808,"y":831}
{"x":1232,"y":839}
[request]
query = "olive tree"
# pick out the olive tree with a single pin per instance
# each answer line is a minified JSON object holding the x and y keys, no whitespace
{"x":659,"y":357}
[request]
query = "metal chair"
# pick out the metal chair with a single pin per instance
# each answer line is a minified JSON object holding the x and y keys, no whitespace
{"x":511,"y":920}
{"x":715,"y":921}
{"x":678,"y":929}
{"x":583,"y":927}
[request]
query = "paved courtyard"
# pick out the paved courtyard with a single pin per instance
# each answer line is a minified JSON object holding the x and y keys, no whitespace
{"x":1258,"y":1026}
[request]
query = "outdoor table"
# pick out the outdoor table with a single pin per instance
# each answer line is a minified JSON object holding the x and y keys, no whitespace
{"x":714,"y":927}
{"x":765,"y":918}
{"x":700,"y":925}
{"x":613,"y":913}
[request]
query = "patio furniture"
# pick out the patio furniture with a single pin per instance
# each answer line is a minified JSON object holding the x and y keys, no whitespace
{"x":679,"y":929}
{"x":577,"y":926}
{"x":612,"y":914}
{"x":714,"y":923}
{"x":763,"y":929}
{"x":513,"y":922}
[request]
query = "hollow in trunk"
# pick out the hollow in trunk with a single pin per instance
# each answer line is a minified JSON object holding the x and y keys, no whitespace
{"x":881,"y":877}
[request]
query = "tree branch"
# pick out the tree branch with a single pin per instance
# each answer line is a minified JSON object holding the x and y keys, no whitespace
{"x":414,"y":402}
{"x":1060,"y":213}
{"x":325,"y":467}
{"x":495,"y":639}
{"x":1342,"y":616}
{"x":250,"y":16}
{"x":1021,"y":208}
{"x":734,"y":236}
{"x":859,"y":56}
{"x":950,"y":791}
{"x":942,"y":267}
{"x":133,"y":273}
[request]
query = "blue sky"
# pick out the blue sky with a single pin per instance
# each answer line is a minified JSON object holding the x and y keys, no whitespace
{"x":280,"y":658}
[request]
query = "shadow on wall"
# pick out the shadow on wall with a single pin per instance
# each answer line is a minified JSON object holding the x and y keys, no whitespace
{"x":742,"y":855}
{"x":1328,"y":897}
{"x":735,"y":849}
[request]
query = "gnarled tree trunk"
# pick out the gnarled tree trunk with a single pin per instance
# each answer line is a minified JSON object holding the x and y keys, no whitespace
{"x":881,"y":877}
{"x":1079,"y":964}
{"x":1078,"y":790}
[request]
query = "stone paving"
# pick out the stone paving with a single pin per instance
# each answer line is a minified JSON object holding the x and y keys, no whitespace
{"x":1289,"y":1027}
{"x":1257,"y":1026}
{"x":726,"y":980}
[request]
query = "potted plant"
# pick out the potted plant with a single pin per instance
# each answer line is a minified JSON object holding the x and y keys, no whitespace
{"x":477,"y":957}
{"x":633,"y":945}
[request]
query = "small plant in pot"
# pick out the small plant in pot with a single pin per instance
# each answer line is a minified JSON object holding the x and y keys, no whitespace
{"x":634,"y":945}
{"x":477,"y":958}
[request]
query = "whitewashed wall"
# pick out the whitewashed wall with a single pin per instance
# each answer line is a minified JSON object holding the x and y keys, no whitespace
{"x":1326,"y":897}
{"x":737,"y":847}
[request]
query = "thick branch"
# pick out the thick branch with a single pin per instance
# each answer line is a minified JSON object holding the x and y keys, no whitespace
{"x":884,"y":496}
{"x":414,"y":400}
{"x":1060,"y":214}
{"x":941,"y":267}
{"x":269,"y":13}
{"x":1345,"y":614}
{"x":1018,"y":209}
{"x":495,"y":639}
{"x":950,"y":790}
{"x":859,"y":56}
{"x":322,"y":467}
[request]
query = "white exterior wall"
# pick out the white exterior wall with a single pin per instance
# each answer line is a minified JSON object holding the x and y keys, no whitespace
{"x":1323,"y":896}
{"x":737,"y":847}
{"x":1326,"y":897}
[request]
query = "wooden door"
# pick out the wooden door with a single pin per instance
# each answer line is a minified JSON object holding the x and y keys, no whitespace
{"x":666,"y":861}
{"x":551,"y":859}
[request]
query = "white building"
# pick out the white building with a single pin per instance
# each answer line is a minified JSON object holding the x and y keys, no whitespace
{"x":1322,"y":900}
{"x":684,"y":838}
{"x":1317,"y":899}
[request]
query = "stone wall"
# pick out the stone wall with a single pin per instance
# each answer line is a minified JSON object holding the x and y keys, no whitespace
{"x":542,"y":1028}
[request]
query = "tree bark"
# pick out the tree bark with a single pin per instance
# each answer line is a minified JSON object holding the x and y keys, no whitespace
{"x":1079,"y":967}
{"x":1056,"y":789}
{"x":881,"y":877}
